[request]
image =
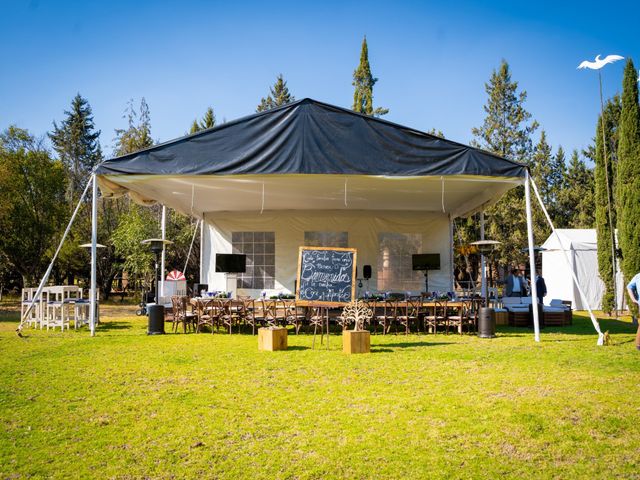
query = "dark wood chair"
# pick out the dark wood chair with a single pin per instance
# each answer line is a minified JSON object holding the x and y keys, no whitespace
{"x":207,"y":312}
{"x":463,"y":316}
{"x":296,"y":315}
{"x":181,"y":314}
{"x":408,"y":313}
{"x":386,"y":315}
{"x":435,"y":315}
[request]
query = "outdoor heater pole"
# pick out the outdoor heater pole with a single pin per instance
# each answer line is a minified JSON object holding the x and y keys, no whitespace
{"x":483,"y":267}
{"x":94,"y":256}
{"x":532,"y":260}
{"x":163,"y":226}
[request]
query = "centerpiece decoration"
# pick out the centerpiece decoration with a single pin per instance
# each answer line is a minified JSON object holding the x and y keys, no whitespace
{"x":357,"y":340}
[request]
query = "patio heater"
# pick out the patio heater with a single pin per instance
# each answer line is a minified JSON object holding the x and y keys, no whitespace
{"x":156,"y":312}
{"x":486,"y":315}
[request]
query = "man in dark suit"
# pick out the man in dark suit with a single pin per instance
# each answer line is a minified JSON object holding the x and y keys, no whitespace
{"x":541,"y":287}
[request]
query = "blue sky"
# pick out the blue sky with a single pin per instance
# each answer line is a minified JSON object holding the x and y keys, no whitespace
{"x":432,"y":59}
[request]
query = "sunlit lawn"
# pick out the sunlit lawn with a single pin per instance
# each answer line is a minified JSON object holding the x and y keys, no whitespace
{"x":127,"y":405}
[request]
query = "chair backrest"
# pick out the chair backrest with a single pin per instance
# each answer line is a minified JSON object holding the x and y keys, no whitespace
{"x":412,"y":306}
{"x":269,"y":310}
{"x":176,"y":304}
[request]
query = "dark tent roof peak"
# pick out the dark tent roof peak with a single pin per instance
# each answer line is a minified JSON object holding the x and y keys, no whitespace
{"x":312,"y":137}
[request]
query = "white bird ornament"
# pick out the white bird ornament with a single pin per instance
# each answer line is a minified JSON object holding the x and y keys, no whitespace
{"x":600,"y":62}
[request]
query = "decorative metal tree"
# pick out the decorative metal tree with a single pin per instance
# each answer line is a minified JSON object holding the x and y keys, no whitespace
{"x":358,"y":313}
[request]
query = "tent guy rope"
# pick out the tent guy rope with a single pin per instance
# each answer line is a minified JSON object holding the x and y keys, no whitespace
{"x":596,"y":325}
{"x":45,"y":278}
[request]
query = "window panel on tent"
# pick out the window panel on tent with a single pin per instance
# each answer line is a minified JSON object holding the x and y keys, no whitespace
{"x":395,"y":271}
{"x":326,"y":239}
{"x":259,"y":247}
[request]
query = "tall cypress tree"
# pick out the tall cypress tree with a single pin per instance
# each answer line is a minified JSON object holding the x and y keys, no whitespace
{"x":278,"y":95}
{"x":628,"y":178}
{"x":363,"y":81}
{"x":604,"y":195}
{"x":77,"y":145}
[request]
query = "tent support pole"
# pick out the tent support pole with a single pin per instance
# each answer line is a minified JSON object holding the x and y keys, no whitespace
{"x":163,"y":227}
{"x":483,"y":262}
{"x":452,"y":268}
{"x":94,"y":256}
{"x":45,"y":278}
{"x":532,"y":260}
{"x":200,"y":275}
{"x":594,"y":321}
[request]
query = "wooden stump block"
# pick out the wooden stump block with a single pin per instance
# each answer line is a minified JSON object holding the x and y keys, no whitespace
{"x":270,"y":339}
{"x":356,"y":341}
{"x":502,"y":317}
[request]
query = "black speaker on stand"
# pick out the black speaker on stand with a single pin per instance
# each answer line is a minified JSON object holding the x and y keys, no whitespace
{"x":425,"y":262}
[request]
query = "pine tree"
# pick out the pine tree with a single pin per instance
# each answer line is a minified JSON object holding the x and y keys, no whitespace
{"x":628,"y":176}
{"x":278,"y":95}
{"x":208,"y":121}
{"x":507,"y":131}
{"x":604,"y":196}
{"x":363,"y":81}
{"x":77,"y":145}
{"x":576,"y":200}
{"x":137,"y":135}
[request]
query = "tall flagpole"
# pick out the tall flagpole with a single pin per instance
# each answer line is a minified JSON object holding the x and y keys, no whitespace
{"x":597,"y":64}
{"x":610,"y":215}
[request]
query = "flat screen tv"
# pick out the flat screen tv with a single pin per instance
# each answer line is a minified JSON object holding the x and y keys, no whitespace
{"x":231,"y":263}
{"x":426,"y":261}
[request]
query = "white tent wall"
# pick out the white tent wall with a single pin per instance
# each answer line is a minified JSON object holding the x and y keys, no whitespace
{"x":581,"y":246}
{"x":363,"y":228}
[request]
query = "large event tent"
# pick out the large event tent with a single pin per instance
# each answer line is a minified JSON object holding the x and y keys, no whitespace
{"x":310,"y":173}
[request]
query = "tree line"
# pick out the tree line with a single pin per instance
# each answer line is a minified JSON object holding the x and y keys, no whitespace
{"x":40,"y":187}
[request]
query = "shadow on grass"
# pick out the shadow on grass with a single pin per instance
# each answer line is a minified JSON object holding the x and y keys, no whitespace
{"x":581,"y":326}
{"x":107,"y":326}
{"x":412,"y":344}
{"x":298,"y":347}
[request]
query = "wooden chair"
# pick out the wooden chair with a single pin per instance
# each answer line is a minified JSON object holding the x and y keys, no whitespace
{"x":296,"y":316}
{"x":207,"y":311}
{"x":181,"y":314}
{"x":435,"y":315}
{"x":227,"y":315}
{"x":461,"y":316}
{"x":386,"y":316}
{"x":408,"y":313}
{"x":372,"y":305}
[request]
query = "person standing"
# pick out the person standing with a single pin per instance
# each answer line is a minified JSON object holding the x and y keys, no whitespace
{"x":515,"y":285}
{"x":541,"y":288}
{"x":632,"y":289}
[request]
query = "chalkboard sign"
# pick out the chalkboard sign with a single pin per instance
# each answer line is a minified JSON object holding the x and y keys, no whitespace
{"x":326,"y":276}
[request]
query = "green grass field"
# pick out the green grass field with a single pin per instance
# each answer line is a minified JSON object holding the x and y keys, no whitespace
{"x":127,"y":405}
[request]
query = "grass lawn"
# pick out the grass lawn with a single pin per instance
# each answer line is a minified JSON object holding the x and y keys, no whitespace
{"x":127,"y":405}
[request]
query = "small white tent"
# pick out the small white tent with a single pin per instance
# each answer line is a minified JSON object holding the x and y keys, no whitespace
{"x":581,"y":246}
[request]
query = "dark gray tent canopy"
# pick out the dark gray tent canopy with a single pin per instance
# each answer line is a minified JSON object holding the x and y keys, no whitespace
{"x":309,"y":155}
{"x":310,"y":137}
